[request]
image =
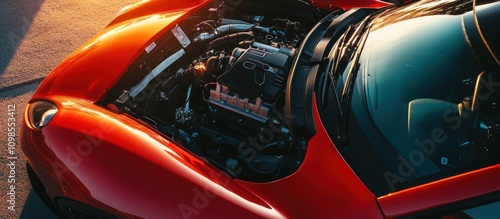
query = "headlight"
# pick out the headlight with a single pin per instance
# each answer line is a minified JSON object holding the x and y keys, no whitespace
{"x":40,"y":113}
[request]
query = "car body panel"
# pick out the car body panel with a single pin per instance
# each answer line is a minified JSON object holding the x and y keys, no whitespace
{"x":443,"y":192}
{"x":92,"y":69}
{"x":326,"y":183}
{"x":349,"y":4}
{"x":147,"y":8}
{"x":91,"y":149}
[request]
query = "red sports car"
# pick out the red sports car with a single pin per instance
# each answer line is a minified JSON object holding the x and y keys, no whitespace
{"x":274,"y":109}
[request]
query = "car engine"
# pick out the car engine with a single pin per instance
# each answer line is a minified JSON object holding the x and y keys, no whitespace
{"x":222,"y":95}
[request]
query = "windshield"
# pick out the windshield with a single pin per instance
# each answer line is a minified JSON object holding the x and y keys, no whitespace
{"x":414,"y":117}
{"x":440,"y":68}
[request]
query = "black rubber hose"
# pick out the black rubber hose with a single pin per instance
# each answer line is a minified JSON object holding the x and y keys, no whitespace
{"x":223,"y":30}
{"x":230,"y":39}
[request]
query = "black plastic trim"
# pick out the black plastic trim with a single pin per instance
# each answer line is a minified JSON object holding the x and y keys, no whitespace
{"x":302,"y":78}
{"x":40,"y":191}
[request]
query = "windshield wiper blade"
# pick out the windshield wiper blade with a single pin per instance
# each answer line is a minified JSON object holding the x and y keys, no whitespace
{"x":338,"y":55}
{"x":341,"y":54}
{"x":357,"y":42}
{"x":329,"y":64}
{"x":349,"y":44}
{"x":334,"y":65}
{"x":329,"y":83}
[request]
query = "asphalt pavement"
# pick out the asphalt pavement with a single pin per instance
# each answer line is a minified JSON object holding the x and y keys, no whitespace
{"x":35,"y":36}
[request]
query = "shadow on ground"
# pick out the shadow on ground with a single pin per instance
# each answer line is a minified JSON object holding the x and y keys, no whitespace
{"x":35,"y":208}
{"x":16,"y":16}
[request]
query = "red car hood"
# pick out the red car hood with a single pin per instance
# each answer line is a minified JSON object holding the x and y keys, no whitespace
{"x":90,"y":71}
{"x":348,"y":4}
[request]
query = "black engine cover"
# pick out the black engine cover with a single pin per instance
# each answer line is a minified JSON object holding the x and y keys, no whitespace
{"x":257,"y":73}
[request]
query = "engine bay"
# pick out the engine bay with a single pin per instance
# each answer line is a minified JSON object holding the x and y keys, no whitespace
{"x":216,"y":86}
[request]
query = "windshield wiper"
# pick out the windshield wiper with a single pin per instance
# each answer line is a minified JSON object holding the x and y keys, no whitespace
{"x":355,"y":44}
{"x":347,"y":50}
{"x":347,"y":47}
{"x":330,"y":76}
